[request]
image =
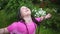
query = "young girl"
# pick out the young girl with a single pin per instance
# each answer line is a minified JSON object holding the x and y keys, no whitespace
{"x":26,"y":23}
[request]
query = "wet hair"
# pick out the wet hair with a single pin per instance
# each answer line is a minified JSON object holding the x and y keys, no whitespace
{"x":19,"y":18}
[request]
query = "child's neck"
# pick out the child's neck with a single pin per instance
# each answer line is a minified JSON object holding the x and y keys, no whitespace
{"x":27,"y":19}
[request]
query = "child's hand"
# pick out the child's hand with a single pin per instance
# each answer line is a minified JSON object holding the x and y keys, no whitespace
{"x":48,"y":16}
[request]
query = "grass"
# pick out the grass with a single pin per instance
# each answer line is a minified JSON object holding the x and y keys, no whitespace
{"x":44,"y":30}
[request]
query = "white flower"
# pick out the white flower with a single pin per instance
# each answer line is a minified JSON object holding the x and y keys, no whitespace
{"x":55,"y":10}
{"x":35,"y":15}
{"x":42,"y":12}
{"x":39,"y":12}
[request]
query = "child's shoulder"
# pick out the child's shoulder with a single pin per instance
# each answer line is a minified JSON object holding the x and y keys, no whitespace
{"x":18,"y":22}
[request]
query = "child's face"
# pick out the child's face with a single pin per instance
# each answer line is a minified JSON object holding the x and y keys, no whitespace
{"x":25,"y":11}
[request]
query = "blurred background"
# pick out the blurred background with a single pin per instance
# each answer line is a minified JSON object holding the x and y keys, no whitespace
{"x":9,"y":11}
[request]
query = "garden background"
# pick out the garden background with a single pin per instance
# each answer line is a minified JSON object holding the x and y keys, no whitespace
{"x":9,"y":10}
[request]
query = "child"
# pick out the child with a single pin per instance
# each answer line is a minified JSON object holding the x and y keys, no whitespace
{"x":26,"y":23}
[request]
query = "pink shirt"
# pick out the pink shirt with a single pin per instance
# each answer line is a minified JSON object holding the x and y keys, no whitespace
{"x":20,"y":28}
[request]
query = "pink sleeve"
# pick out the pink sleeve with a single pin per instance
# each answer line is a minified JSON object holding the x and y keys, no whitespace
{"x":38,"y":19}
{"x":11,"y":27}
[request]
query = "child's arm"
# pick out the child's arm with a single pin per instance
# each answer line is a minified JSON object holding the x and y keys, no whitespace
{"x":45,"y":17}
{"x":3,"y":31}
{"x":8,"y":29}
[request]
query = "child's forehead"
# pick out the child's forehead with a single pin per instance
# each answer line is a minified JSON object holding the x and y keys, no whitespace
{"x":23,"y":7}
